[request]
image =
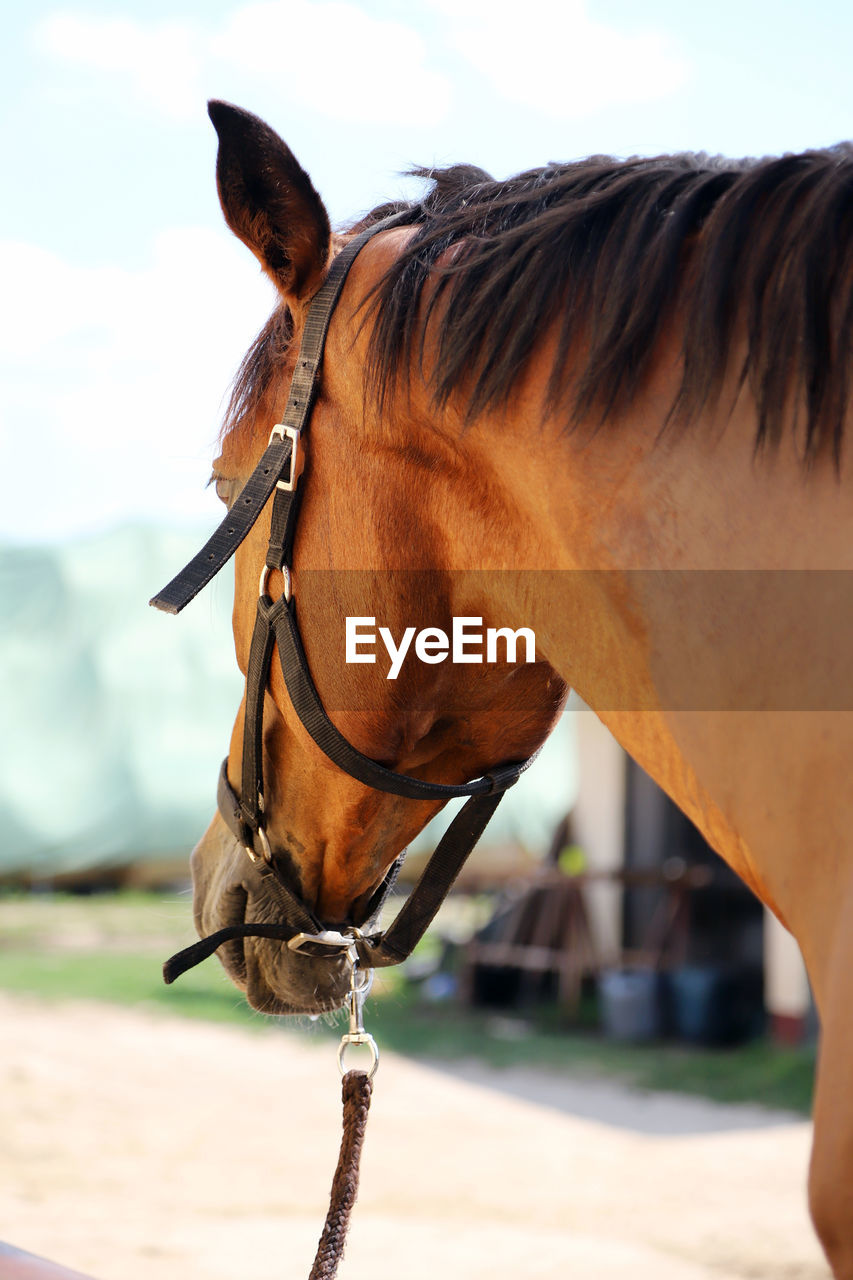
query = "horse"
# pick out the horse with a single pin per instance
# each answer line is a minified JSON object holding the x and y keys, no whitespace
{"x":605,"y":401}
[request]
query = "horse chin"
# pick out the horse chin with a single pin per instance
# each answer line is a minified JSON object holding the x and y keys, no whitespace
{"x":274,"y":979}
{"x":278,"y":981}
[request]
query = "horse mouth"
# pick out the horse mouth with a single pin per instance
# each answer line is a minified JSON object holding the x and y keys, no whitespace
{"x":274,"y":979}
{"x":283,"y":982}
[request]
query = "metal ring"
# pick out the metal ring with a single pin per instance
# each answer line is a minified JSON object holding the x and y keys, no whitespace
{"x":265,"y":845}
{"x":362,"y":1038}
{"x":266,"y":851}
{"x":264,"y":579}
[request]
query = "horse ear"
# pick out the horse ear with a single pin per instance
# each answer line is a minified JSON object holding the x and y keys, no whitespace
{"x":269,"y":202}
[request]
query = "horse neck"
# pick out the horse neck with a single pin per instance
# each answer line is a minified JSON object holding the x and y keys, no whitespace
{"x":612,"y":534}
{"x":602,"y":508}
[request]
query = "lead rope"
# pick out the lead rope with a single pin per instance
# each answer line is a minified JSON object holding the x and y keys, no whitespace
{"x":356,"y":1091}
{"x":357,"y":1088}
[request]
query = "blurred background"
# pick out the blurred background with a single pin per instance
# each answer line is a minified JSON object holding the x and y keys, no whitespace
{"x":126,"y":307}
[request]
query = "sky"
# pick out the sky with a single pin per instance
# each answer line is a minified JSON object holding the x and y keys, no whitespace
{"x":126,"y":305}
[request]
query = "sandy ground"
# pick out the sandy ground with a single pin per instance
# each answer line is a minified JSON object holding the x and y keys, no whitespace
{"x":135,"y":1147}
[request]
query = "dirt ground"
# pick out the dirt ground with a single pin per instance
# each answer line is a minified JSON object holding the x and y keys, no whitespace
{"x":135,"y":1147}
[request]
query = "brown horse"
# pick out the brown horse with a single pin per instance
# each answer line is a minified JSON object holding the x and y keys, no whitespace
{"x":607,"y":402}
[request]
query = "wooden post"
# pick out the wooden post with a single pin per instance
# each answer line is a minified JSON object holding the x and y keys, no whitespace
{"x":786,"y":987}
{"x":598,"y":818}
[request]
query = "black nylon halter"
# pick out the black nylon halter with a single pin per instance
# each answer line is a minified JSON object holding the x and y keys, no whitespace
{"x":278,"y":473}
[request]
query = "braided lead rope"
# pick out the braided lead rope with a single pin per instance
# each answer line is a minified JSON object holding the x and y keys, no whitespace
{"x":356,"y":1090}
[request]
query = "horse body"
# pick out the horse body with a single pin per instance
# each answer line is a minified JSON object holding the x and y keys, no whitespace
{"x":684,"y":582}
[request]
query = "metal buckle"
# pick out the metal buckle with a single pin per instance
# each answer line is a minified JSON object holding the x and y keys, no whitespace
{"x":330,"y":940}
{"x":361,"y":980}
{"x":297,"y":462}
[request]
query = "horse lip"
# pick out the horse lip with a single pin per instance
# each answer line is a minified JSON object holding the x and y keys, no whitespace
{"x":294,"y":983}
{"x":276,"y":979}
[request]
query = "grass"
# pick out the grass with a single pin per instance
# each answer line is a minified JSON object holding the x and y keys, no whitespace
{"x":111,"y":948}
{"x":127,"y":979}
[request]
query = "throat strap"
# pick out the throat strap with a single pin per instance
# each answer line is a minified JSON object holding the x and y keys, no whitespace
{"x":222,"y":544}
{"x":308,"y":706}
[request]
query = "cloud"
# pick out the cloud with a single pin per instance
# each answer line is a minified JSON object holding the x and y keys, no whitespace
{"x":551,"y":55}
{"x":118,"y":376}
{"x":327,"y":55}
{"x":159,"y":61}
{"x":336,"y":58}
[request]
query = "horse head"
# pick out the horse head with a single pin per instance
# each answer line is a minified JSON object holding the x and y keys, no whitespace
{"x":392,"y":523}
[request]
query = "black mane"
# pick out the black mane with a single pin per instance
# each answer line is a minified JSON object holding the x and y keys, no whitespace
{"x":758,"y":253}
{"x":753,"y":257}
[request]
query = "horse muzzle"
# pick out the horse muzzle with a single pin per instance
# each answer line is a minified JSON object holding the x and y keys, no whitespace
{"x":276,"y":977}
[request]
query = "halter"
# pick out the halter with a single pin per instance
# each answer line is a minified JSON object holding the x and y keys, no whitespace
{"x":277,"y":473}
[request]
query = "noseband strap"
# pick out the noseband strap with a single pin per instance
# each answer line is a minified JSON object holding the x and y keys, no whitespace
{"x":275,"y":625}
{"x":375,"y":950}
